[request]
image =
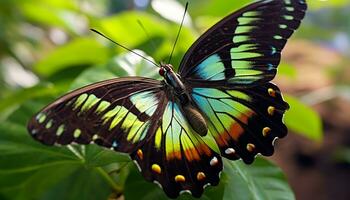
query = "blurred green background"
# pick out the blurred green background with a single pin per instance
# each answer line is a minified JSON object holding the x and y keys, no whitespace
{"x":46,"y":49}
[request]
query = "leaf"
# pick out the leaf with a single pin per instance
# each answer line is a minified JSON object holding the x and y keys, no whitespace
{"x":127,"y":64}
{"x":30,"y":170}
{"x":79,"y":52}
{"x":216,"y":8}
{"x":161,"y":32}
{"x":52,"y":13}
{"x":261,"y":180}
{"x":15,"y":99}
{"x":303,"y":120}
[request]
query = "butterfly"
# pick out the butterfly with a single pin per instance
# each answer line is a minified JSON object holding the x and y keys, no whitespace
{"x":221,"y":92}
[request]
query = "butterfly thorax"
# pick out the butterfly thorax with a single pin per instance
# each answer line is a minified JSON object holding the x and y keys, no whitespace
{"x":173,"y":80}
{"x":178,"y":89}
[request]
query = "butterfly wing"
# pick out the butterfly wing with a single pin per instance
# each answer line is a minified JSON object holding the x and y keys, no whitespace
{"x":245,"y":47}
{"x":135,"y":116}
{"x":116,"y":113}
{"x":243,"y":122}
{"x":228,"y":70}
{"x":177,"y":158}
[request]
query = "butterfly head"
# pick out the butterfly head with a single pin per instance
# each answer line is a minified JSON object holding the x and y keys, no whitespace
{"x":164,"y":69}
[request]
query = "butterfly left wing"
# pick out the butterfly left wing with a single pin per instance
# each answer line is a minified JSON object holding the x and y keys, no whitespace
{"x":245,"y":47}
{"x":176,"y":157}
{"x":117,"y":113}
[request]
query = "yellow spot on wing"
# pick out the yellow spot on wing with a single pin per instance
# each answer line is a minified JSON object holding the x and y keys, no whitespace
{"x":266,"y":131}
{"x":140,"y":154}
{"x":80,"y":101}
{"x":91,"y":101}
{"x":102,"y":106}
{"x":180,"y":178}
{"x":156,"y":168}
{"x":272,"y":92}
{"x":271,"y":110}
{"x":158,"y":138}
{"x":250,"y":147}
{"x":201,"y":176}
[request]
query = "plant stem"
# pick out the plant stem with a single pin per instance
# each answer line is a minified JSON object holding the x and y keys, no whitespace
{"x":113,"y":184}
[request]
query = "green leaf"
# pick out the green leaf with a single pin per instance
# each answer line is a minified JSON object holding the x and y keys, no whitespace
{"x":51,"y":13}
{"x":161,"y":32}
{"x":303,"y":120}
{"x":79,"y":52}
{"x":30,"y":170}
{"x":127,"y":64}
{"x":15,"y":99}
{"x":258,"y":181}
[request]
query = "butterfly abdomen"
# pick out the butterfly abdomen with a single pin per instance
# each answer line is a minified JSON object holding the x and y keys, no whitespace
{"x":196,"y":120}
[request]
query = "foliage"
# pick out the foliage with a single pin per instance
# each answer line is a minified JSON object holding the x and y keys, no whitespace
{"x":29,"y":170}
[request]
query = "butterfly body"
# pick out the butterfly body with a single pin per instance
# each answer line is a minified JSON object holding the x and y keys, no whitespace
{"x":222,"y":91}
{"x":178,"y":90}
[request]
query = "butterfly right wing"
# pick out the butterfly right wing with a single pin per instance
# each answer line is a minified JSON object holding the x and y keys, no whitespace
{"x":116,"y":113}
{"x":244,"y":48}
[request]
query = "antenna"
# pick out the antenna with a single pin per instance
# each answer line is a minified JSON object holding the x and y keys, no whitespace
{"x":134,"y":52}
{"x":178,"y":33}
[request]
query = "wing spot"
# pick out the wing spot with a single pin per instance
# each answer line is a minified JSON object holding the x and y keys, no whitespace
{"x":271,"y":92}
{"x":180,"y":179}
{"x":95,"y":137}
{"x":34,"y":131}
{"x":114,"y":144}
{"x":278,"y":37}
{"x":60,"y":130}
{"x":41,"y":118}
{"x":49,"y":124}
{"x":214,"y":161}
{"x":288,"y":17}
{"x":201,"y":176}
{"x":140,"y":154}
{"x":271,"y":110}
{"x":156,"y":169}
{"x":77,"y":133}
{"x":283,"y":26}
{"x":230,"y":151}
{"x":250,"y":147}
{"x":266,"y":131}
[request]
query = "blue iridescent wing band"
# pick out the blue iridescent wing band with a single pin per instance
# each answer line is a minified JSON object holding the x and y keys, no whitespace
{"x":245,"y":47}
